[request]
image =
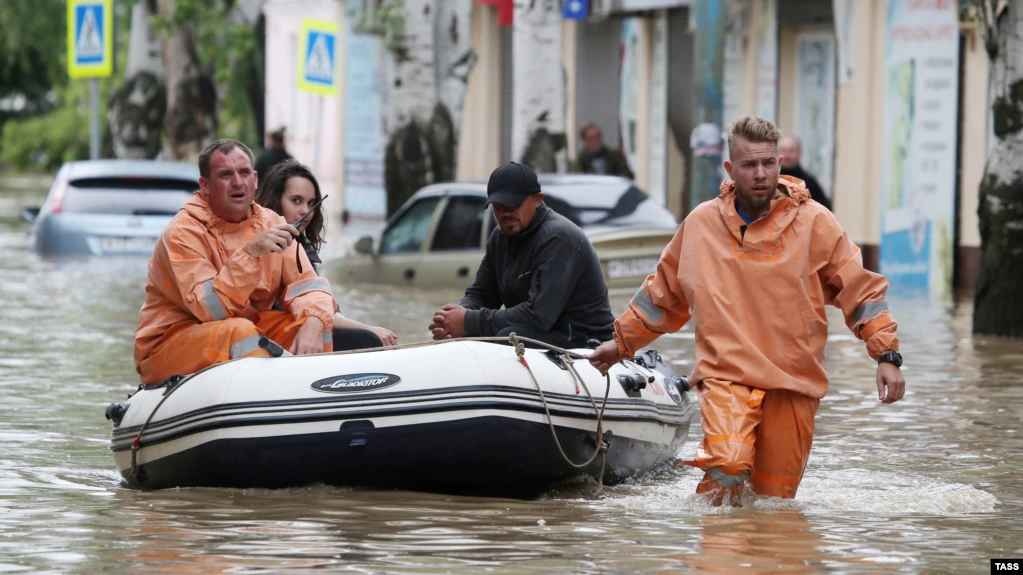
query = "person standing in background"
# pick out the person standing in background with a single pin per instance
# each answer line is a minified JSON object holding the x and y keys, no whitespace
{"x":274,"y":153}
{"x":597,"y":158}
{"x":790,"y":153}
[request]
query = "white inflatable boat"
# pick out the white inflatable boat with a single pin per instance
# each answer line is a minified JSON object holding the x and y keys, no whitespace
{"x":457,"y":416}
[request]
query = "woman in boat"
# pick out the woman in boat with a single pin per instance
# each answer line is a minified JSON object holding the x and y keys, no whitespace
{"x":291,"y":190}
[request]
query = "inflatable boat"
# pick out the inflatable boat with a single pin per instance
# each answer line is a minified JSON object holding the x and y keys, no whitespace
{"x":458,"y":416}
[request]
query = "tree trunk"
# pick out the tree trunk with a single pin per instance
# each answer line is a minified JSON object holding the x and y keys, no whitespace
{"x":427,"y":61}
{"x":998,"y":307}
{"x":191,"y":120}
{"x":538,"y":124}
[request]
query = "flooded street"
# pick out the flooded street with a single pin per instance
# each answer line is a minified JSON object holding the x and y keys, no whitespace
{"x":931,"y":484}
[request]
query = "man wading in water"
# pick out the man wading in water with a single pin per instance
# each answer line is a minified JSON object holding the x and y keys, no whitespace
{"x":756,"y":266}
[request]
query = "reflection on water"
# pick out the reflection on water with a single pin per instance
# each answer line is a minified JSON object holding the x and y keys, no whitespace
{"x":930,"y":484}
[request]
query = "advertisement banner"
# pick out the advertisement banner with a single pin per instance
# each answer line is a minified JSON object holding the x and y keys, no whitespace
{"x":364,"y":130}
{"x":918,"y":160}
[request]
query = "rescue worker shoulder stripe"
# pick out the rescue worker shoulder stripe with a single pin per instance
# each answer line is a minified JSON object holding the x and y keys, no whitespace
{"x":869,"y":310}
{"x":244,"y":347}
{"x":304,"y":287}
{"x":211,"y":302}
{"x":646,"y":305}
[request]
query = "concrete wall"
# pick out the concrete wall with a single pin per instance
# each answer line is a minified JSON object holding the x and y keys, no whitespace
{"x":596,"y":66}
{"x":974,"y":141}
{"x":860,"y":115}
{"x":480,"y":135}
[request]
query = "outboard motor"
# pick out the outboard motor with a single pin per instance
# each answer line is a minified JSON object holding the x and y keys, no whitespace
{"x":651,"y":359}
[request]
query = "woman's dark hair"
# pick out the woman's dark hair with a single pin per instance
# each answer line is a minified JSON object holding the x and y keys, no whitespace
{"x":271,"y":190}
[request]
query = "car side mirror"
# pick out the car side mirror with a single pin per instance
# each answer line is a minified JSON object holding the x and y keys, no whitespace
{"x":364,"y":245}
{"x":30,"y":214}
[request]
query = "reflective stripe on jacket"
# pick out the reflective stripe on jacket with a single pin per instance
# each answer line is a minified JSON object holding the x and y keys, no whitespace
{"x":757,"y":293}
{"x":200,"y":273}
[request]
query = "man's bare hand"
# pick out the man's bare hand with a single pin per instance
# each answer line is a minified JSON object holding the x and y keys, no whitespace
{"x":448,"y":322}
{"x":309,"y":338}
{"x":605,"y":356}
{"x":387,"y":337}
{"x":271,"y":241}
{"x":890,"y":384}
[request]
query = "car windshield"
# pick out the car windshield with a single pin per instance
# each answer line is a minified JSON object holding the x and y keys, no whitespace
{"x":614,"y":205}
{"x":138,"y":196}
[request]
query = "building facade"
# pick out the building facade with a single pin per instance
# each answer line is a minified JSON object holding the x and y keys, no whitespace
{"x":887,"y":96}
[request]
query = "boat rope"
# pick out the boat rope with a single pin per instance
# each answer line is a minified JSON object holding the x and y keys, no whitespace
{"x":601,"y":445}
{"x":137,"y":472}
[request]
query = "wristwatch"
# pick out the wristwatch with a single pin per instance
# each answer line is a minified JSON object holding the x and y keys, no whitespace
{"x":892,"y":357}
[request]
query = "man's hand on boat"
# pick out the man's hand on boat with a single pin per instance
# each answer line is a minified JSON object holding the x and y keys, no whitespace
{"x":448,"y":322}
{"x":309,"y":338}
{"x":274,"y":240}
{"x":605,"y":356}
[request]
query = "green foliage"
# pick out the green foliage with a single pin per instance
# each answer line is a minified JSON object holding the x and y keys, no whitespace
{"x":226,"y":47}
{"x":44,"y":142}
{"x":32,"y":50}
{"x":53,"y":127}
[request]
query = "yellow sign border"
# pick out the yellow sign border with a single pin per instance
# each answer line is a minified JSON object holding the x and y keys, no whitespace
{"x":311,"y":25}
{"x":104,"y":68}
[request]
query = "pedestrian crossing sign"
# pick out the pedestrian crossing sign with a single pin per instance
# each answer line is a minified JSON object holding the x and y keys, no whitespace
{"x":317,"y":57}
{"x":90,"y":52}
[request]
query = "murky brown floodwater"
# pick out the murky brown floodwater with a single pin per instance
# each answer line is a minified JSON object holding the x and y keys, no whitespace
{"x":932,"y":484}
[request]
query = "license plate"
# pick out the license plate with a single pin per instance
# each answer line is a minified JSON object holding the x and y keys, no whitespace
{"x":121,"y":245}
{"x":631,"y":267}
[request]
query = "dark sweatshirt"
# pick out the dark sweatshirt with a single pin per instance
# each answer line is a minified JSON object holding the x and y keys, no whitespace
{"x":547,"y":277}
{"x":816,"y":191}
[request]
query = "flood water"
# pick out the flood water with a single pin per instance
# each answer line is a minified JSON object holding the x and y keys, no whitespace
{"x":930,"y":484}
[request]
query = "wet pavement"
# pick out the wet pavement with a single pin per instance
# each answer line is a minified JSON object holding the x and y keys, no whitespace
{"x":931,"y":484}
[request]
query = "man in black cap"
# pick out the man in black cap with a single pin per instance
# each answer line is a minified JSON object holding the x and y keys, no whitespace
{"x":539,"y":277}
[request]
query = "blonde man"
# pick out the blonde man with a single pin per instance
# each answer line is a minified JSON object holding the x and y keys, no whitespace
{"x":756,"y":266}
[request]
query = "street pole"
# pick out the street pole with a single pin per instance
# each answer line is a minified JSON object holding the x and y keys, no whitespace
{"x":94,"y":119}
{"x":708,"y":65}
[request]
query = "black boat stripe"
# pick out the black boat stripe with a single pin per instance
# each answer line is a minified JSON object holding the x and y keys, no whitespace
{"x":277,"y":420}
{"x":420,"y":392}
{"x":321,"y":415}
{"x":161,"y":425}
{"x":379,"y":400}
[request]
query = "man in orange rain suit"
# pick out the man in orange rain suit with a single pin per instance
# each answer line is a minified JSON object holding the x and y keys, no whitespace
{"x":217,"y":272}
{"x":755,"y":267}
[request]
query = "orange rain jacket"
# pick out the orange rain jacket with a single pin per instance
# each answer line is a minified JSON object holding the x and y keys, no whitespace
{"x":200,"y":273}
{"x":757,"y":292}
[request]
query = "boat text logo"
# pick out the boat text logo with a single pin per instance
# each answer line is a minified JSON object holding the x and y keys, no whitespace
{"x":355,"y":382}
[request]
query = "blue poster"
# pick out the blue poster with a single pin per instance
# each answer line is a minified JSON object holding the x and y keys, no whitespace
{"x":906,"y":261}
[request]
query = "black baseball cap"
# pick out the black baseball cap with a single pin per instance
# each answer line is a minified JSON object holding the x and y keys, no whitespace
{"x":511,"y":184}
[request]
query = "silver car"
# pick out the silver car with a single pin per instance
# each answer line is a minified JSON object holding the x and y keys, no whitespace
{"x":107,"y":207}
{"x":438,"y":236}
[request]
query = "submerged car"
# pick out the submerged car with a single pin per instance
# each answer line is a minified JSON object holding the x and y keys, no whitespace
{"x":438,"y":236}
{"x":107,"y":207}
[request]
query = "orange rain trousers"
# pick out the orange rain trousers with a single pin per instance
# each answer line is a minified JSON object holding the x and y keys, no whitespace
{"x":765,"y":435}
{"x":193,"y":347}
